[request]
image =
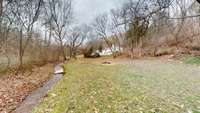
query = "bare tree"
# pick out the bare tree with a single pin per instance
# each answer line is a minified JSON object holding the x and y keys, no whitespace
{"x":1,"y":14}
{"x":117,"y":30}
{"x":137,"y":15}
{"x":138,"y":23}
{"x":1,"y":7}
{"x":60,"y":17}
{"x":102,"y":26}
{"x":24,"y":13}
{"x":76,"y":38}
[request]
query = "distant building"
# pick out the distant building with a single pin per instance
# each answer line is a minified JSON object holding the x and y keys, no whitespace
{"x":107,"y":51}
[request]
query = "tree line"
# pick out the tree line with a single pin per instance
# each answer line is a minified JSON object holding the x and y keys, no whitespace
{"x":39,"y":31}
{"x":152,"y":23}
{"x":45,"y":31}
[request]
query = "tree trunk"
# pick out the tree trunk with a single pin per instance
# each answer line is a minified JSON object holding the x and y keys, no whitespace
{"x":73,"y":52}
{"x":1,"y":8}
{"x":113,"y":53}
{"x":119,"y":45}
{"x":132,"y":49}
{"x":45,"y":36}
{"x":109,"y":44}
{"x":110,"y":47}
{"x":63,"y":51}
{"x":1,"y":14}
{"x":141,"y":44}
{"x":21,"y":49}
{"x":50,"y":35}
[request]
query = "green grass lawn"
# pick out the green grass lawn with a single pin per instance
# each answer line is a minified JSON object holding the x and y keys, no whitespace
{"x":192,"y":60}
{"x":90,"y":87}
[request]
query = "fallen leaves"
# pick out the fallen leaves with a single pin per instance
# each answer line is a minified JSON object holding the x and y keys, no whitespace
{"x":15,"y":88}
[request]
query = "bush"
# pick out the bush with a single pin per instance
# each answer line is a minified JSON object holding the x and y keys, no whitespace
{"x":88,"y":53}
{"x":93,"y":55}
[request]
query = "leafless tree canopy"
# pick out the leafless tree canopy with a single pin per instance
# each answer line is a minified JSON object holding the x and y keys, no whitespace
{"x":59,"y":17}
{"x":20,"y":24}
{"x":30,"y":29}
{"x":76,"y":38}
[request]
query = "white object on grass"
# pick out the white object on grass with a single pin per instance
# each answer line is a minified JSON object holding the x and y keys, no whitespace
{"x":59,"y":69}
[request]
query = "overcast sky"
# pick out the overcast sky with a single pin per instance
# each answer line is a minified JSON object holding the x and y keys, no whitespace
{"x":86,"y":10}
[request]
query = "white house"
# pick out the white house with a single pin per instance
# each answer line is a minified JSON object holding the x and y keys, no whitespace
{"x":107,"y":51}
